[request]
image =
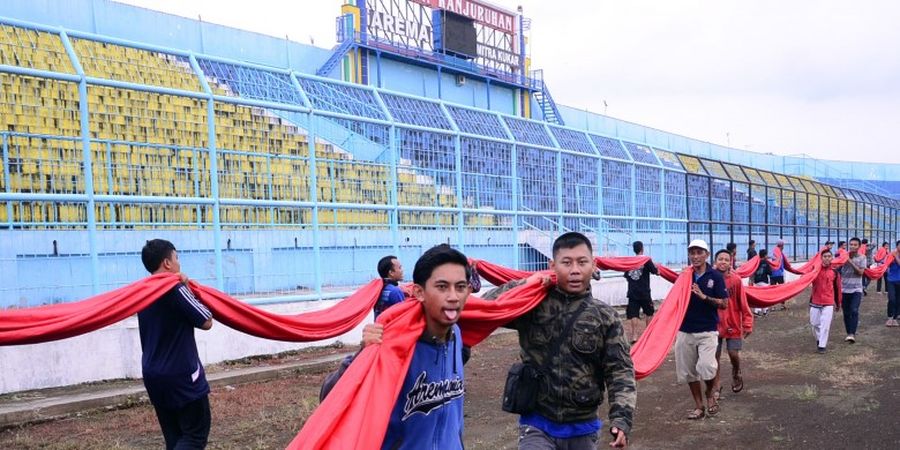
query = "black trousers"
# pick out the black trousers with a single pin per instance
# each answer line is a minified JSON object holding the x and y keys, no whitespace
{"x":186,"y":428}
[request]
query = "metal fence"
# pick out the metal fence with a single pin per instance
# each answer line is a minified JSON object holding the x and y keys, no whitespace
{"x":278,"y":186}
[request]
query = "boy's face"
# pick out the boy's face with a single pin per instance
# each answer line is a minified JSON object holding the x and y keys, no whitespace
{"x":573,"y":267}
{"x":723,"y":262}
{"x":444,"y":295}
{"x":854,"y":246}
{"x":826,"y":259}
{"x":171,"y":263}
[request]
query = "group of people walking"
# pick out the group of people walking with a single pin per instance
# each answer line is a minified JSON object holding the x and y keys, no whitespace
{"x":573,"y":346}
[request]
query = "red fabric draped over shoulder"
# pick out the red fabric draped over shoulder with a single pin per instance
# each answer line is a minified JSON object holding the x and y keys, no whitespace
{"x":649,"y":352}
{"x":748,"y":268}
{"x":367,"y":391}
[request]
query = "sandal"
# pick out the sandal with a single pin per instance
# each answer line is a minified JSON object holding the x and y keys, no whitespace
{"x":737,"y":383}
{"x":713,"y":410}
{"x":697,"y":414}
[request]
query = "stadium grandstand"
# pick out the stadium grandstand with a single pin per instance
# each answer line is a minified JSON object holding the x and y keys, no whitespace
{"x":279,"y":183}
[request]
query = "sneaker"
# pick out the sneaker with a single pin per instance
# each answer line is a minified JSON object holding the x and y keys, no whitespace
{"x":889,"y":323}
{"x":820,"y":350}
{"x":850,"y":338}
{"x":894,"y":323}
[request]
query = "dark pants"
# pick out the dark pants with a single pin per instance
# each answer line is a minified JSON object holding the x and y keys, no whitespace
{"x":850,"y":307}
{"x":186,"y":428}
{"x":531,"y":438}
{"x":893,"y":291}
{"x":878,"y":285}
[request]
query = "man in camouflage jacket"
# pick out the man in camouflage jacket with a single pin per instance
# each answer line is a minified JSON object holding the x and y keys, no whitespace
{"x":593,"y":355}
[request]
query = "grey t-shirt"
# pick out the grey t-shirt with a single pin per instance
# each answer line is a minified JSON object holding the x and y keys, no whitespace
{"x":852,"y":282}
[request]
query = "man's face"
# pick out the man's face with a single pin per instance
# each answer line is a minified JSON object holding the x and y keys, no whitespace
{"x":753,"y":245}
{"x":396,"y":272}
{"x":697,"y":256}
{"x":171,"y":264}
{"x":573,"y":268}
{"x":444,"y":294}
{"x":854,"y":246}
{"x":723,"y":262}
{"x":826,"y":259}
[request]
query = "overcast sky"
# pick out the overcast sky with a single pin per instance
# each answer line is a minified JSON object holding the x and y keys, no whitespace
{"x":820,"y":77}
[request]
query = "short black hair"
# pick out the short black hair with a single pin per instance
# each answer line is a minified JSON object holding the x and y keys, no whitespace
{"x":438,"y":256}
{"x":855,"y":239}
{"x":752,"y":242}
{"x":840,"y":243}
{"x":827,"y":250}
{"x":385,"y":265}
{"x":154,"y":252}
{"x":637,"y":246}
{"x":731,"y":247}
{"x":720,"y":252}
{"x":898,"y":243}
{"x":864,"y":241}
{"x":571,"y":239}
{"x":763,"y":253}
{"x":885,"y":243}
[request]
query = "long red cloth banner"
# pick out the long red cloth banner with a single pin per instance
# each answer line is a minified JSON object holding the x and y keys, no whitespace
{"x":52,"y":322}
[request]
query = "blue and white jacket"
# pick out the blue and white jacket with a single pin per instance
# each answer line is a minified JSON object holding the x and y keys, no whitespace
{"x":429,"y":410}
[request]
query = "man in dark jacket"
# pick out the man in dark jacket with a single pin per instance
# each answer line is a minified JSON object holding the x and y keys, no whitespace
{"x":590,"y":355}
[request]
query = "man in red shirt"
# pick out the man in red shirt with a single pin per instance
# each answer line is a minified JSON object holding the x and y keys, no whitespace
{"x":735,"y":324}
{"x":826,"y":297}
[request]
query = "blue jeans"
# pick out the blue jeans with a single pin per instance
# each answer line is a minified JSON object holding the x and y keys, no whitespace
{"x":893,"y":306}
{"x":851,"y":311}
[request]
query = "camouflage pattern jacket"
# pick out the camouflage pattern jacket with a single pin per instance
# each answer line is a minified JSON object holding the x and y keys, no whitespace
{"x":593,"y":357}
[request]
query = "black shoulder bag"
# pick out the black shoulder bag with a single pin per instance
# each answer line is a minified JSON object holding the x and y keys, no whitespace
{"x":523,"y":382}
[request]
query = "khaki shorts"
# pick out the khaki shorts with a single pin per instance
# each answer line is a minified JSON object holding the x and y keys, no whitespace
{"x":695,"y":356}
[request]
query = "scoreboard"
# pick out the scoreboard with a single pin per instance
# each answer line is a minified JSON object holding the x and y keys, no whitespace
{"x":474,"y":31}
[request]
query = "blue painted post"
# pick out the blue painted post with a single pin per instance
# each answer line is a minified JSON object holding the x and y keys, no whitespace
{"x":394,"y":213}
{"x":314,"y":198}
{"x":514,"y":155}
{"x":457,"y":149}
{"x":214,"y":187}
{"x":109,"y":179}
{"x":87,"y":158}
{"x":196,"y":176}
{"x":663,"y":214}
{"x":213,"y":170}
{"x":9,"y":207}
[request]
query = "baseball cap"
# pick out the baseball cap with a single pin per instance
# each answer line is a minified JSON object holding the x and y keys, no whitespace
{"x":699,"y":243}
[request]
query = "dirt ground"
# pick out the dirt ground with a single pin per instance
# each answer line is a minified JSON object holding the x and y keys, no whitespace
{"x":794,"y":398}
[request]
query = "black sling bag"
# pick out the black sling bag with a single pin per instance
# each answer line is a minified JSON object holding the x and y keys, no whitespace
{"x":523,"y":381}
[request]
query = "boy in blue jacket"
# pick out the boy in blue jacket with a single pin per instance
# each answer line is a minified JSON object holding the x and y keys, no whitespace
{"x":429,"y":410}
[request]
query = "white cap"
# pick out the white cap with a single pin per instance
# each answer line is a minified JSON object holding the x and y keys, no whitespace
{"x":699,"y":243}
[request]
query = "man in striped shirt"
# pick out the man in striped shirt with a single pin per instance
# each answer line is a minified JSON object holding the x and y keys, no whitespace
{"x":173,"y":373}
